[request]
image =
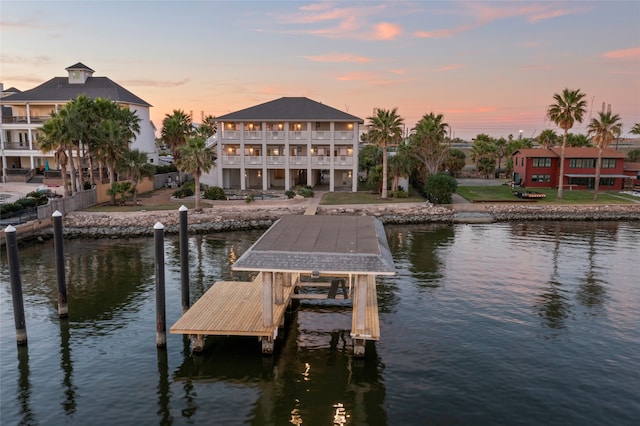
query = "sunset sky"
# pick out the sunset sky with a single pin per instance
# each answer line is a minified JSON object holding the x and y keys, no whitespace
{"x":488,"y":67}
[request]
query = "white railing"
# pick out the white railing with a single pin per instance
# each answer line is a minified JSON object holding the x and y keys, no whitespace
{"x":252,"y":159}
{"x":275,"y":159}
{"x":343,"y":161}
{"x":322,"y":135}
{"x":275,"y":135}
{"x":231,"y":135}
{"x":297,"y":160}
{"x":297,"y":135}
{"x":231,"y":160}
{"x":343,"y":135}
{"x":321,"y":160}
{"x":253,"y":134}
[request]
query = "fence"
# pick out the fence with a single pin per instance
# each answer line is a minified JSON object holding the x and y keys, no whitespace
{"x":78,"y":201}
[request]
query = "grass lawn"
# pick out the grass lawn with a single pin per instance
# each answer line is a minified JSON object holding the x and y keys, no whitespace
{"x":106,"y":208}
{"x":504,"y":193}
{"x":363,"y":197}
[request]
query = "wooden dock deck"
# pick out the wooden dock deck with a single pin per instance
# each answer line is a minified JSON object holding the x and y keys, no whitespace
{"x":296,"y":252}
{"x":231,"y":308}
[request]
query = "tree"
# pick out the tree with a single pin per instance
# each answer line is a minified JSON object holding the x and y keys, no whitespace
{"x":633,"y":155}
{"x":401,"y":164}
{"x":483,"y":153}
{"x":196,"y":159}
{"x":135,"y":165}
{"x":547,"y":138}
{"x":455,"y":162}
{"x":368,"y":157}
{"x":176,"y":129}
{"x":208,"y":127}
{"x":427,"y":143}
{"x":55,"y":138}
{"x":385,"y":128}
{"x":603,"y":130}
{"x":568,"y":108}
{"x":635,"y":130}
{"x":578,"y":140}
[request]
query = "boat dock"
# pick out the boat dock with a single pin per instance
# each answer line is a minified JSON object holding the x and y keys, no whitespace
{"x":342,"y":254}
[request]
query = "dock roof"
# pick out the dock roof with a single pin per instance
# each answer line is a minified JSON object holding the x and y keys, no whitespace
{"x":323,"y":244}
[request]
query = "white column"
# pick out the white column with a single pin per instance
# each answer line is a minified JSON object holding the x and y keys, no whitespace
{"x":243,"y":178}
{"x":354,"y":167}
{"x":332,"y":158}
{"x":267,"y":299}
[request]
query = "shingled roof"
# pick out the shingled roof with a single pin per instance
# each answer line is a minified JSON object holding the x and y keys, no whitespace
{"x":326,"y":244}
{"x":290,"y":109}
{"x":58,"y":89}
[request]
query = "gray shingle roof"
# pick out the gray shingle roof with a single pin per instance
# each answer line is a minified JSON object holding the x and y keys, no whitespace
{"x":327,"y":244}
{"x":79,"y":66}
{"x":58,"y":89}
{"x":290,"y":109}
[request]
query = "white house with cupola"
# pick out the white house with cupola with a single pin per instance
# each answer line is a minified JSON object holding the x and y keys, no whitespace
{"x":22,"y":114}
{"x":284,"y":143}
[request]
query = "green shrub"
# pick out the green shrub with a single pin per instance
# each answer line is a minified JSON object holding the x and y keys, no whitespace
{"x":305,"y":191}
{"x":26,"y":202}
{"x":439,"y":188}
{"x":399,"y":193}
{"x":169,"y":168}
{"x":215,"y":193}
{"x":190,"y":185}
{"x":183,"y":192}
{"x":290,"y":193}
{"x":249,"y":198}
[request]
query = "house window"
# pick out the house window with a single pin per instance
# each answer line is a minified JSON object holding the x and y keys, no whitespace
{"x":608,"y":163}
{"x":540,"y":178}
{"x":607,"y":181}
{"x":582,"y":163}
{"x":542,"y":162}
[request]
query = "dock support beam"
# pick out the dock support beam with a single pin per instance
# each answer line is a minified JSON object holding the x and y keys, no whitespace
{"x":161,"y":316}
{"x":197,"y":342}
{"x":358,"y":348}
{"x":184,"y":259}
{"x":16,"y":285}
{"x":267,"y":299}
{"x":267,"y":345}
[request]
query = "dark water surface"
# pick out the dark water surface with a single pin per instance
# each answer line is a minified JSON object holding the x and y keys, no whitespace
{"x":501,"y":324}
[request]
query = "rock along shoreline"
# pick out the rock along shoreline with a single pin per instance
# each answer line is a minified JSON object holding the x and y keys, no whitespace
{"x":225,"y":219}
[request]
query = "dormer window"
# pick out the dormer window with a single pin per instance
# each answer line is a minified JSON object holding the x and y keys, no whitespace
{"x":79,"y":73}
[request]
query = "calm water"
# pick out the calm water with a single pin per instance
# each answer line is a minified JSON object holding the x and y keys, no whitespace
{"x":484,"y":324}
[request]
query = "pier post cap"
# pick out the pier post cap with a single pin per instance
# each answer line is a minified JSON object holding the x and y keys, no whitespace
{"x":158,"y":225}
{"x":9,"y":229}
{"x":56,"y":214}
{"x":183,"y":208}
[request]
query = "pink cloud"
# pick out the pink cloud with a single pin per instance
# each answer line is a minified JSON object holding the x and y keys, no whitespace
{"x":365,"y":76}
{"x":481,"y":14}
{"x":450,"y":67}
{"x":154,"y":83}
{"x":472,"y":110}
{"x":623,"y":53}
{"x":338,"y":57}
{"x":387,"y":31}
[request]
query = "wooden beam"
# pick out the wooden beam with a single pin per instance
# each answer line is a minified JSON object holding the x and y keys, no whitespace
{"x":267,"y":299}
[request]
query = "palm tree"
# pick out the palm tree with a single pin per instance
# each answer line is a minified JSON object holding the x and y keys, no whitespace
{"x":55,"y":138}
{"x":569,"y":107}
{"x":195,"y":159}
{"x":208,"y":127}
{"x":603,"y":130}
{"x":402,"y":163}
{"x":427,"y":142}
{"x":635,"y":130}
{"x":176,"y":128}
{"x":135,"y":165}
{"x":385,"y":128}
{"x":547,"y":138}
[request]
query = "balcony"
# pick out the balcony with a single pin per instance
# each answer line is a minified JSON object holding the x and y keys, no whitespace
{"x":34,"y":119}
{"x":231,"y":160}
{"x":252,"y":160}
{"x":275,"y":160}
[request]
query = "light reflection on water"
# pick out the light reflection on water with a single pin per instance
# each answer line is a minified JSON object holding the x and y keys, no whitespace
{"x":533,"y":323}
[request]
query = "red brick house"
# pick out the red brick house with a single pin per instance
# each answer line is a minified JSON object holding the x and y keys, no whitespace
{"x":540,"y":168}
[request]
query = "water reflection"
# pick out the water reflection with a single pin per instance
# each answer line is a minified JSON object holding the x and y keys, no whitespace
{"x":164,"y":394}
{"x":66,"y":365}
{"x":24,"y":386}
{"x":591,"y":290}
{"x":553,"y":304}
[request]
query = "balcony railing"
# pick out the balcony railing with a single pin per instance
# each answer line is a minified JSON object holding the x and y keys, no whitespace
{"x":275,"y":135}
{"x":297,"y":160}
{"x":342,"y":135}
{"x":252,"y":159}
{"x":275,"y":159}
{"x":11,"y":119}
{"x":230,"y":160}
{"x":21,"y":146}
{"x":231,"y":135}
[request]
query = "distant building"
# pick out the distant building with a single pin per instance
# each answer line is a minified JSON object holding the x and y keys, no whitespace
{"x":22,"y":114}
{"x":540,"y":168}
{"x":284,"y":143}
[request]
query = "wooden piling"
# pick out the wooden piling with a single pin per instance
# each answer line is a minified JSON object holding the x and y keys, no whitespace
{"x":16,"y":285}
{"x":63,"y":307}
{"x":184,"y":259}
{"x":161,"y":317}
